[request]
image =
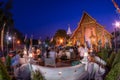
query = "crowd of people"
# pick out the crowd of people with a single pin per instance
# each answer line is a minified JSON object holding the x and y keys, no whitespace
{"x":93,"y":64}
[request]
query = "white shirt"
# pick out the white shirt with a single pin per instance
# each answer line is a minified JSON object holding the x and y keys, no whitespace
{"x":52,"y":54}
{"x":71,"y":50}
{"x":81,"y":51}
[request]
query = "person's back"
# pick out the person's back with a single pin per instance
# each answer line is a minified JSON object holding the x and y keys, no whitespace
{"x":81,"y":51}
{"x":59,"y":54}
{"x":68,"y":54}
{"x":52,"y":54}
{"x":15,"y":60}
{"x":51,"y":59}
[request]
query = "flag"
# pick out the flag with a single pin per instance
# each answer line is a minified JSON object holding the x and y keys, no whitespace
{"x":30,"y":46}
{"x":31,"y":40}
{"x":39,"y":41}
{"x":25,"y":42}
{"x":51,"y":40}
{"x":25,"y":38}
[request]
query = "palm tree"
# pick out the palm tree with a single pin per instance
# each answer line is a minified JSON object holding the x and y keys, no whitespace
{"x":5,"y":14}
{"x":6,"y":19}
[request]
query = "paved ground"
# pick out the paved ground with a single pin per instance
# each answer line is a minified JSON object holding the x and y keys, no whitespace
{"x":23,"y":73}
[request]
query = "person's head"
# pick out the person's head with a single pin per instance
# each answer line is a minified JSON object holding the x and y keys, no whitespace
{"x":82,"y":46}
{"x":90,"y":50}
{"x":18,"y":52}
{"x":1,"y":54}
{"x":91,"y":58}
{"x":3,"y":59}
{"x":52,"y":49}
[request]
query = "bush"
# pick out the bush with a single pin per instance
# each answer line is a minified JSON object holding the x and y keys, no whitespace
{"x":111,"y":59}
{"x":3,"y":72}
{"x":36,"y":75}
{"x":117,"y":59}
{"x":114,"y":73}
{"x":103,"y":54}
{"x":8,"y":61}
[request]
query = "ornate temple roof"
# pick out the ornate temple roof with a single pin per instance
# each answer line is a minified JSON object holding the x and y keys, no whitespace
{"x":87,"y":19}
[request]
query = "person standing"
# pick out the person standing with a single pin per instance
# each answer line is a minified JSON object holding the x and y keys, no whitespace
{"x":81,"y":50}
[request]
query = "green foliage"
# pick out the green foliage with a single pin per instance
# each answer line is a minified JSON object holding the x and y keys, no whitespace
{"x":117,"y":59}
{"x":36,"y":75}
{"x":53,"y":42}
{"x":61,"y":33}
{"x":103,"y":54}
{"x":8,"y":61}
{"x":114,"y":73}
{"x":47,"y":40}
{"x":111,"y":59}
{"x":3,"y":72}
{"x":6,"y":16}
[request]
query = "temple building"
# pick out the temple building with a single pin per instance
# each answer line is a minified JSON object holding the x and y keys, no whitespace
{"x":91,"y":32}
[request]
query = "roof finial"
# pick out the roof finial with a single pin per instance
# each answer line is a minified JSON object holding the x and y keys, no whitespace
{"x":69,"y":30}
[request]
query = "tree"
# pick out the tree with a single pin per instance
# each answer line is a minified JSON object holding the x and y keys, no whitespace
{"x":3,"y":72}
{"x":6,"y":15}
{"x":60,"y":34}
{"x":47,"y":40}
{"x":114,"y":73}
{"x":6,"y":19}
{"x":18,"y":35}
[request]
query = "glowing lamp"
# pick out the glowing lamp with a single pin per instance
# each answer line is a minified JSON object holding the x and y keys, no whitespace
{"x":18,"y":41}
{"x":9,"y":38}
{"x":117,"y":24}
{"x":61,"y":40}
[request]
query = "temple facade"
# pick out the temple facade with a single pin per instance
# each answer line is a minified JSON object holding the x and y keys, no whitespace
{"x":91,"y":32}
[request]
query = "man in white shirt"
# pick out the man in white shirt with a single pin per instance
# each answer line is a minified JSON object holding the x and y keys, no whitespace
{"x":52,"y":53}
{"x":81,"y":51}
{"x":51,"y":59}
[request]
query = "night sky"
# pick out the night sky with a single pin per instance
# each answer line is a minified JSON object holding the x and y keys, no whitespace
{"x":42,"y":18}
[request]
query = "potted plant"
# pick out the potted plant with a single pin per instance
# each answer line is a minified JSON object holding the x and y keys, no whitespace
{"x":3,"y":72}
{"x":36,"y":75}
{"x":114,"y":73}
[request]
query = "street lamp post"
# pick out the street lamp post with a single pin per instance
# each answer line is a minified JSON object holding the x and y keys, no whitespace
{"x":117,"y":26}
{"x":8,"y":39}
{"x":13,"y":41}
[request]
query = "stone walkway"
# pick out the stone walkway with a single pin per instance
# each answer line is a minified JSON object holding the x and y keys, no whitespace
{"x":23,"y":73}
